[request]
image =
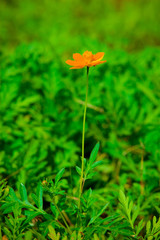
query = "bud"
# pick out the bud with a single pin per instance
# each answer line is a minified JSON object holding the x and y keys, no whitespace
{"x":44,"y":183}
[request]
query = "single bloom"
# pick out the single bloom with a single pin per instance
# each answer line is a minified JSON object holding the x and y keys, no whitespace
{"x":87,"y":59}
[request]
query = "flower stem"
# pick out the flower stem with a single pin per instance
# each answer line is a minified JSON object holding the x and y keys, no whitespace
{"x":142,"y":183}
{"x":83,"y":137}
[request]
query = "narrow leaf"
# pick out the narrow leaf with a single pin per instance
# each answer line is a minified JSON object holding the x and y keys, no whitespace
{"x":78,"y":169}
{"x":94,"y":153}
{"x":59,"y":176}
{"x":40,"y":196}
{"x":23,"y":193}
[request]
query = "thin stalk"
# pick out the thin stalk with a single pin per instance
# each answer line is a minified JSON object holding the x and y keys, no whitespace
{"x":142,"y":183}
{"x":64,"y":220}
{"x":83,"y":138}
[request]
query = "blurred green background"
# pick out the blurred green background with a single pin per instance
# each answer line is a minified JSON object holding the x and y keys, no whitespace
{"x":68,"y":25}
{"x":42,"y":100}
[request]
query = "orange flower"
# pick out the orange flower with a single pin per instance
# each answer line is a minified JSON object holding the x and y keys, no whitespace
{"x":87,"y":59}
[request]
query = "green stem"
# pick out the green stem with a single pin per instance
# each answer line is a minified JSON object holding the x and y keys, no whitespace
{"x":141,"y":182}
{"x":83,"y":137}
{"x":64,"y":220}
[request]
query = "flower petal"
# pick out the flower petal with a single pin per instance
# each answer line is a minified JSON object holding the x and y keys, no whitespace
{"x":72,"y":63}
{"x":98,"y":56}
{"x":78,"y":67}
{"x":78,"y":57}
{"x":86,"y":59}
{"x":94,"y":63}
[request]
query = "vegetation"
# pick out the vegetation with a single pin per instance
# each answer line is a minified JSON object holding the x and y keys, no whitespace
{"x":42,"y":104}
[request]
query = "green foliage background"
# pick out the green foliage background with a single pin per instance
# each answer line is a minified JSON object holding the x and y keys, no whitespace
{"x":42,"y":100}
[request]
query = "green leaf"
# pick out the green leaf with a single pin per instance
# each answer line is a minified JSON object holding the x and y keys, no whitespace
{"x":78,"y":169}
{"x":7,"y":233}
{"x":90,"y":176}
{"x":59,"y":176}
{"x":94,"y":153}
{"x":65,"y":238}
{"x":13,"y":195}
{"x":34,"y":197}
{"x":96,"y":164}
{"x":93,"y":219}
{"x":28,"y":235}
{"x":10,"y":223}
{"x":154,"y":221}
{"x":8,"y":207}
{"x":38,"y":235}
{"x":30,"y":216}
{"x":148,"y":227}
{"x":54,"y":211}
{"x":23,"y":193}
{"x":74,"y":236}
{"x":40,"y":196}
{"x":139,"y":227}
{"x":52,"y":233}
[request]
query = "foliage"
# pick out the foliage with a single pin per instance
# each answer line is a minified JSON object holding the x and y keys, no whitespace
{"x":41,"y":121}
{"x":37,"y":143}
{"x":117,"y":23}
